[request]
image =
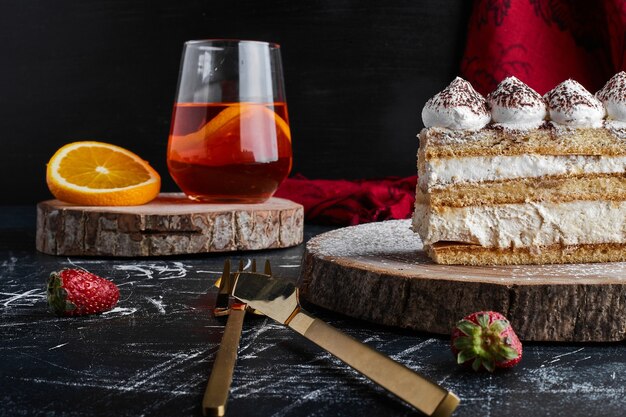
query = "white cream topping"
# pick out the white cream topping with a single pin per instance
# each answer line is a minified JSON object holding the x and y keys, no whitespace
{"x":524,"y":225}
{"x":516,"y":106}
{"x":523,"y":118}
{"x":570,"y":104}
{"x":615,"y":126}
{"x":439,"y":173}
{"x":456,"y":118}
{"x":616,"y":110}
{"x":457,"y":107}
{"x":613,"y":97}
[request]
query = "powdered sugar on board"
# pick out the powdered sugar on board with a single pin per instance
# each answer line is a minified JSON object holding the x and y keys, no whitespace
{"x":393,"y":246}
{"x":367,"y":239}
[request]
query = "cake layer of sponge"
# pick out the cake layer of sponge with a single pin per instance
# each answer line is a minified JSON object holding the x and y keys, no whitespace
{"x":451,"y":253}
{"x":588,"y":187}
{"x":445,"y":143}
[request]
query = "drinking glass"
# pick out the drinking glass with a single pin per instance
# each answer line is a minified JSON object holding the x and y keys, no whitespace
{"x":230,"y":140}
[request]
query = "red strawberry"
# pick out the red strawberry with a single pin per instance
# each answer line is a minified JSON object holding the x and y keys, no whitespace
{"x":486,"y":340}
{"x":76,"y":292}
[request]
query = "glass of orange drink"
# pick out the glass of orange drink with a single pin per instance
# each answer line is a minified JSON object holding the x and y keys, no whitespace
{"x":230,"y":140}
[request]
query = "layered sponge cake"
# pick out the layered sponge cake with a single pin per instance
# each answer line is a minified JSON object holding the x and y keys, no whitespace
{"x":517,"y":178}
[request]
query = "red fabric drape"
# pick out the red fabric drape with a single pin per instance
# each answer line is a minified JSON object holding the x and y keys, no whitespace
{"x":544,"y":42}
{"x":342,"y":202}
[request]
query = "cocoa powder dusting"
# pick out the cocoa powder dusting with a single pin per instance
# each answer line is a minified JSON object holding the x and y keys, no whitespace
{"x":460,"y":93}
{"x":513,"y":93}
{"x":569,"y":94}
{"x":614,"y":89}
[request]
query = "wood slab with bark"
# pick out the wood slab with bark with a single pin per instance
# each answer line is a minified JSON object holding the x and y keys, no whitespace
{"x":379,"y":272}
{"x":169,"y":225}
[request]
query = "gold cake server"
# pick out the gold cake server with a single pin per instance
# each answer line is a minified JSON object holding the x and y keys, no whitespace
{"x":278,"y":299}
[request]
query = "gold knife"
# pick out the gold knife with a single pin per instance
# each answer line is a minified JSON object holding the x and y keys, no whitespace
{"x":216,"y":393}
{"x":218,"y":387}
{"x":278,"y":299}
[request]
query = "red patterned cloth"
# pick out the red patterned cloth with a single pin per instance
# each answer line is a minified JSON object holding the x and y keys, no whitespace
{"x":544,"y":42}
{"x":342,"y":202}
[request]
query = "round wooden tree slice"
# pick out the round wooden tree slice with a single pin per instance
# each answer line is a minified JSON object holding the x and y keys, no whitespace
{"x":379,"y":272}
{"x":169,"y":225}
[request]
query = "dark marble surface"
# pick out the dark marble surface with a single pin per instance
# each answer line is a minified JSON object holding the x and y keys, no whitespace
{"x":152,"y":354}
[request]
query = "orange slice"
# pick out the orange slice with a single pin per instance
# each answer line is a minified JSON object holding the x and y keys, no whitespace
{"x":220,"y":129}
{"x":101,"y":174}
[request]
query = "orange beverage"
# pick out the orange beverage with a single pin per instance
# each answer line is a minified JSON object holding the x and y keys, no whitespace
{"x":229,"y":152}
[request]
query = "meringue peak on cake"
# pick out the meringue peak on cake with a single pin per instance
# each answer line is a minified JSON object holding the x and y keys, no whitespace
{"x":613,"y":96}
{"x":571,"y":105}
{"x":456,"y":107}
{"x":514,"y":105}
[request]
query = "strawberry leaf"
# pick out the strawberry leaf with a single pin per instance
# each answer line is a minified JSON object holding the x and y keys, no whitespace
{"x":508,"y":353}
{"x":489,"y":364}
{"x":464,"y":342}
{"x":467,"y":327}
{"x":498,"y":326}
{"x":57,"y":295}
{"x":483,"y":320}
{"x":477,"y":364}
{"x":464,"y":356}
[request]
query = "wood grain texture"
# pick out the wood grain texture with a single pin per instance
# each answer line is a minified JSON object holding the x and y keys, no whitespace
{"x":169,"y":225}
{"x":378,"y":272}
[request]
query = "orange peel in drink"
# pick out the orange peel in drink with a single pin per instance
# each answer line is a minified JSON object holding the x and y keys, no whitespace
{"x":218,"y":131}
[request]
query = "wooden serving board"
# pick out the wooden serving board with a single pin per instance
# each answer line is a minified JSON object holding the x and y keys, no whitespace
{"x":379,"y":272}
{"x":169,"y":225}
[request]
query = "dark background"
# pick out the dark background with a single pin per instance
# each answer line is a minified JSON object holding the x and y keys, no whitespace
{"x":357,"y":74}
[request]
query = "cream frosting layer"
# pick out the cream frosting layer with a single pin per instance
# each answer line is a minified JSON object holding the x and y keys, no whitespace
{"x":524,"y":225}
{"x":439,"y":173}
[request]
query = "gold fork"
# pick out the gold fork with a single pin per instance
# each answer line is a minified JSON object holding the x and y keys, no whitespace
{"x":218,"y":387}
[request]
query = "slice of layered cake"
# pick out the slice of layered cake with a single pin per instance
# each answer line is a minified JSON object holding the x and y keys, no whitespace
{"x":517,"y":178}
